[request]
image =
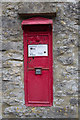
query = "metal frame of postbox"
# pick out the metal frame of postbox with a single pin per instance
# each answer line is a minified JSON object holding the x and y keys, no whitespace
{"x":31,"y":22}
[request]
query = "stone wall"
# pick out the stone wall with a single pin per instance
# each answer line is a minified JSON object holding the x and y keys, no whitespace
{"x":65,"y":59}
{"x":0,"y":62}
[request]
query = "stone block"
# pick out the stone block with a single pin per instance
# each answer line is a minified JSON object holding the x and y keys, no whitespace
{"x":12,"y":46}
{"x":10,"y":74}
{"x":37,"y":8}
{"x":0,"y":110}
{"x":66,"y":60}
{"x":66,"y":87}
{"x":73,"y":101}
{"x":63,"y":49}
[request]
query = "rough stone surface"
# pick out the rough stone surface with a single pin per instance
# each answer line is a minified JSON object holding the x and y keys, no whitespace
{"x":65,"y":55}
{"x":74,"y":1}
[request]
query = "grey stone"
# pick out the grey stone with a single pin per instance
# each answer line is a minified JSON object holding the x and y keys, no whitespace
{"x":66,"y":60}
{"x":62,"y":50}
{"x":73,"y":101}
{"x":10,"y":74}
{"x":70,"y":72}
{"x":9,"y":7}
{"x":37,"y":8}
{"x":12,"y":56}
{"x":12,"y":45}
{"x":69,"y":41}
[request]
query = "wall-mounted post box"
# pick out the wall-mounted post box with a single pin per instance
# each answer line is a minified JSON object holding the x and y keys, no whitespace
{"x":38,"y":61}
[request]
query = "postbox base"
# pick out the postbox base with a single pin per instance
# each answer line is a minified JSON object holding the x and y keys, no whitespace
{"x":38,"y":105}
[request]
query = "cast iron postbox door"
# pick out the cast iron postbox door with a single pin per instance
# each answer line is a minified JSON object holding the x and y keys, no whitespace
{"x":38,"y":62}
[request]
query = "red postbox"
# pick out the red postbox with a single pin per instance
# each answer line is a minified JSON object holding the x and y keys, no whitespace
{"x":38,"y":61}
